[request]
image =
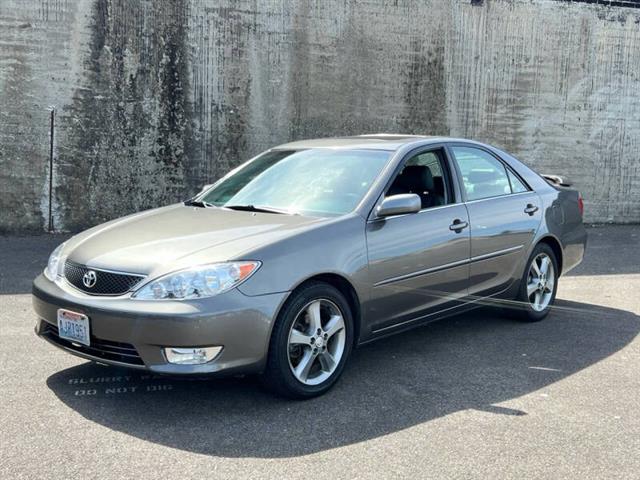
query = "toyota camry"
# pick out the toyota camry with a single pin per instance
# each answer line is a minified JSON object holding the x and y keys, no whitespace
{"x":308,"y":250}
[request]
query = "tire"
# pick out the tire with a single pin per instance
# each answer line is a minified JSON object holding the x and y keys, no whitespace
{"x":528,"y":308}
{"x":297,"y":363}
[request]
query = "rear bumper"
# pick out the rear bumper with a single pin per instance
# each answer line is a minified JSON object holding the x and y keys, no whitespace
{"x":574,"y":247}
{"x":132,"y":333}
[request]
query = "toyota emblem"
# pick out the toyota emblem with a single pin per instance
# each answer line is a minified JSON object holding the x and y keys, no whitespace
{"x":89,"y":279}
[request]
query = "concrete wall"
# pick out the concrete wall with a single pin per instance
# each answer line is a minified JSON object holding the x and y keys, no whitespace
{"x":153,"y":99}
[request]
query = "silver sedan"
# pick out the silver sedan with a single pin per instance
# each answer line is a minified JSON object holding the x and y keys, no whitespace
{"x":308,"y":250}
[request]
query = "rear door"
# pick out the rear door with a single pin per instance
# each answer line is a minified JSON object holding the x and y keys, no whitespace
{"x":418,"y":263}
{"x":504,"y":214}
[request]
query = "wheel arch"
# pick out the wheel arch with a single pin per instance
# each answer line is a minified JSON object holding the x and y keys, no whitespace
{"x":556,"y":247}
{"x":344,"y":286}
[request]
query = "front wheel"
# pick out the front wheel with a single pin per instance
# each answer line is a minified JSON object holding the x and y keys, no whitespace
{"x":539,"y":285}
{"x":310,"y":343}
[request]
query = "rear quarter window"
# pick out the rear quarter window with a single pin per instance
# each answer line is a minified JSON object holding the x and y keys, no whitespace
{"x":516,"y":184}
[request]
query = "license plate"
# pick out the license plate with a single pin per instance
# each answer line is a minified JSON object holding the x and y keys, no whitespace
{"x":73,"y":326}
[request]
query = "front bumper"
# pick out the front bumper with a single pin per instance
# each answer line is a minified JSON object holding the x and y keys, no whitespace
{"x":133,"y":333}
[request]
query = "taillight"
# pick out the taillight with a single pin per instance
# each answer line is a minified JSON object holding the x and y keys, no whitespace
{"x":580,"y":205}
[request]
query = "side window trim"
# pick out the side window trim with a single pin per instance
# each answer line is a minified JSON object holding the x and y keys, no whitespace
{"x":507,"y":167}
{"x":453,"y":176}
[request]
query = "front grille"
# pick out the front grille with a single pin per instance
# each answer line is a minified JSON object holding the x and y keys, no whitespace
{"x":106,"y":283}
{"x":102,"y":349}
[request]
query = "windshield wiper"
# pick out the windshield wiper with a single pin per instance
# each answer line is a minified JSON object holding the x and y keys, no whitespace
{"x":258,"y":208}
{"x":197,"y":203}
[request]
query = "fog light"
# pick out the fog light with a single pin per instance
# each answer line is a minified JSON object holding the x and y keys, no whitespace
{"x":191,"y":356}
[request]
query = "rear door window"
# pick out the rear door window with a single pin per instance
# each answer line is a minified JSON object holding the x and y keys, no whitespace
{"x":483,"y":175}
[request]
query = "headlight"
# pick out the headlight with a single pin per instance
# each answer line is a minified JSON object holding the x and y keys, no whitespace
{"x":51,"y":272}
{"x":198,"y":282}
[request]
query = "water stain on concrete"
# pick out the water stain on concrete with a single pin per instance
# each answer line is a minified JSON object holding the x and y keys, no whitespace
{"x":154,"y":99}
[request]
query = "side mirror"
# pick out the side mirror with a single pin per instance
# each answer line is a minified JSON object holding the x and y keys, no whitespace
{"x":399,"y":205}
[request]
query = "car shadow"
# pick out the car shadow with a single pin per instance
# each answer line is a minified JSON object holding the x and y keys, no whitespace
{"x":475,"y":361}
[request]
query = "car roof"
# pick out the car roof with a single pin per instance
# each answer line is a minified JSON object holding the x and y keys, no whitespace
{"x":378,"y":141}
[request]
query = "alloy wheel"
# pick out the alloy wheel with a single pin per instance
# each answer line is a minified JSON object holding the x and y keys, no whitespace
{"x":540,"y":282}
{"x":316,"y":341}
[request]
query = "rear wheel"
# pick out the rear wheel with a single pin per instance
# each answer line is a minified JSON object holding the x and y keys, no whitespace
{"x":539,"y":284}
{"x":310,"y":343}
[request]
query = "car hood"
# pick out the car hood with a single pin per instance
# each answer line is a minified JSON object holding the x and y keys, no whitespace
{"x":179,"y":236}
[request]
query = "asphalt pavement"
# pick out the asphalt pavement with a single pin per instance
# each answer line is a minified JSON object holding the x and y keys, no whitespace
{"x":475,"y":396}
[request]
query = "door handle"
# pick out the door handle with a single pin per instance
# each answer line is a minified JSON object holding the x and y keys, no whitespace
{"x":458,"y":225}
{"x":531,"y":209}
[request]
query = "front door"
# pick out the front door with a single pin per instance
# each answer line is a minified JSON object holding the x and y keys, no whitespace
{"x":418,"y":263}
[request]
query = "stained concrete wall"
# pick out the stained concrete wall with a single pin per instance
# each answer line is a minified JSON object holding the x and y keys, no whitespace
{"x":154,"y":98}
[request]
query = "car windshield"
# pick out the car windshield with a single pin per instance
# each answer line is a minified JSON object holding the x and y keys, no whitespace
{"x":320,"y":182}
